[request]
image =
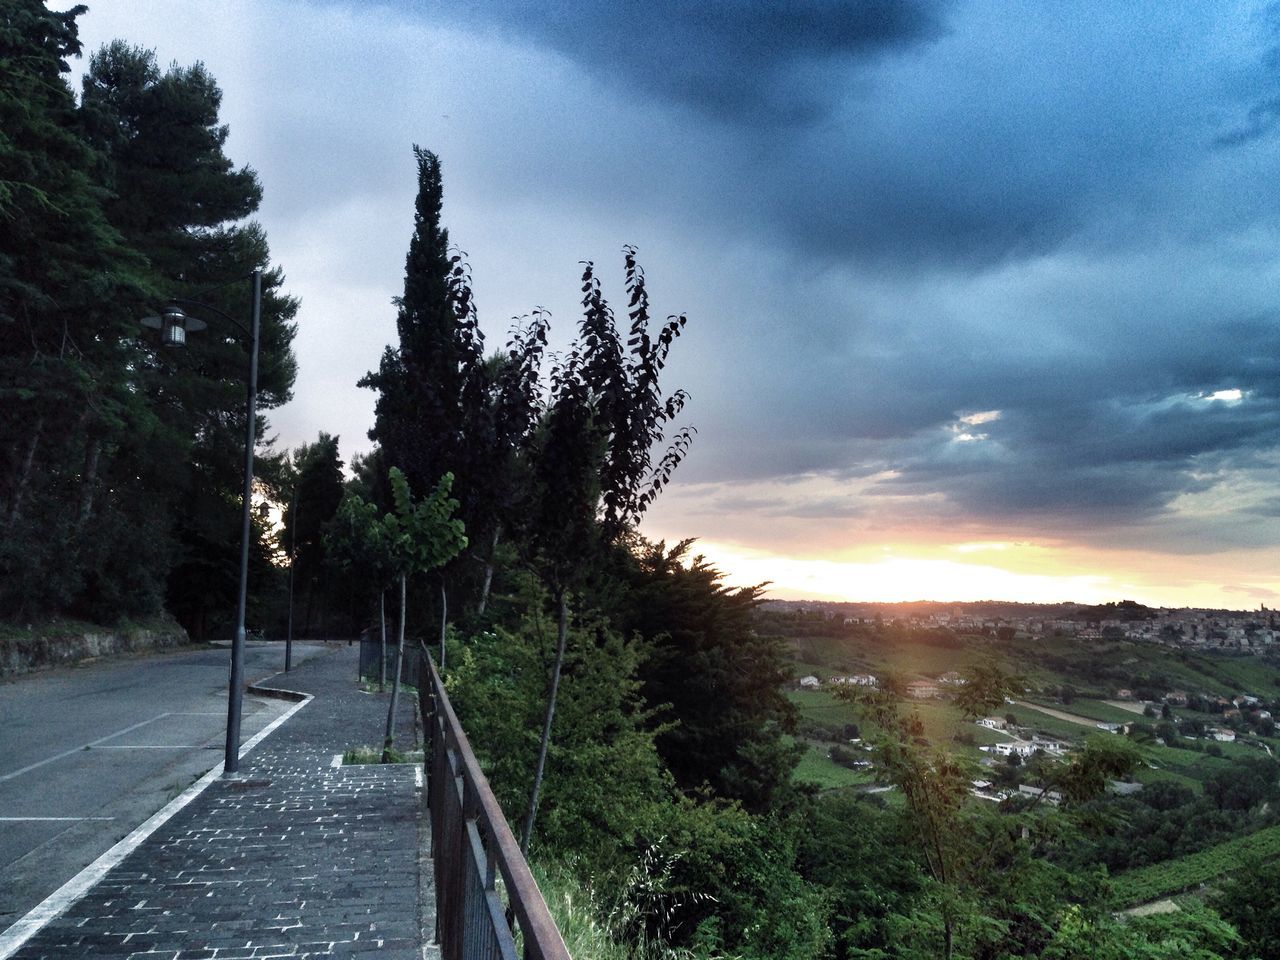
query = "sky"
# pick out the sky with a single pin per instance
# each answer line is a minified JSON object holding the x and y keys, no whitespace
{"x":983,"y":295}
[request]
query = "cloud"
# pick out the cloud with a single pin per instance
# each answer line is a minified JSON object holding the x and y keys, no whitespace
{"x":886,"y":221}
{"x":739,"y":60}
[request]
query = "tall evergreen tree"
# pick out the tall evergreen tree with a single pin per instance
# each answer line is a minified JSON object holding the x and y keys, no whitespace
{"x":179,"y":201}
{"x":318,"y":491}
{"x":70,"y":291}
{"x":417,"y":419}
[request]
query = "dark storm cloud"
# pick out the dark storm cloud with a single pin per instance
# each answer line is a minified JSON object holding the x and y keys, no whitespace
{"x":742,"y":60}
{"x":887,"y":216}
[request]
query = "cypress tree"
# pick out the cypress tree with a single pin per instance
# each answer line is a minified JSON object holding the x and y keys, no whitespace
{"x":418,"y":415}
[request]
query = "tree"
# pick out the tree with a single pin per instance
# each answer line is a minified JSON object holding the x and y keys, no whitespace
{"x":987,"y":687}
{"x":591,"y":467}
{"x":713,"y":672}
{"x":1247,"y":900}
{"x":420,"y":382}
{"x":70,"y":292}
{"x":317,"y":491}
{"x":1183,"y":935}
{"x":358,"y":542}
{"x":177,"y":199}
{"x":422,"y":536}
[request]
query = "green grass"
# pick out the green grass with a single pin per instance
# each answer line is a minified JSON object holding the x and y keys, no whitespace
{"x":1174,"y":876}
{"x":1247,"y":674}
{"x":1051,"y":726}
{"x":940,"y":719}
{"x":370,"y":685}
{"x":817,"y":768}
{"x":360,"y":755}
{"x":822,"y":706}
{"x":1190,"y":764}
{"x":1097,"y":710}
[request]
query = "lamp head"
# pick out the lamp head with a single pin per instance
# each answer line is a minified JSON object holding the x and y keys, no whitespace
{"x":174,"y":324}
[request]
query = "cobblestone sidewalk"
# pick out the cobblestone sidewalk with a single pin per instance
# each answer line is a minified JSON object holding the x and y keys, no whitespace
{"x":296,"y":858}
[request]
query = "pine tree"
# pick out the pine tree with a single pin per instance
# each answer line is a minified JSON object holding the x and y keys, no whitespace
{"x":69,"y":293}
{"x":179,"y":201}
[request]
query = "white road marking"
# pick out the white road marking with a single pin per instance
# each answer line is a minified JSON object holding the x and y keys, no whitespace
{"x":61,"y":899}
{"x":417,"y":777}
{"x":148,"y":746}
{"x":49,"y":819}
{"x":67,"y":753}
{"x":337,"y":760}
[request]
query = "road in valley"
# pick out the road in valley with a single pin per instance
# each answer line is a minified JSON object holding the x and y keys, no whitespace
{"x":88,"y":753}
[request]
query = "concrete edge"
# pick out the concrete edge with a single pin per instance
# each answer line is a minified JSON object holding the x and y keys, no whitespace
{"x":62,"y":899}
{"x":278,"y":693}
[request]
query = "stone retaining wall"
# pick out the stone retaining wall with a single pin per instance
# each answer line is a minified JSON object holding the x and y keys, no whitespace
{"x":25,"y":654}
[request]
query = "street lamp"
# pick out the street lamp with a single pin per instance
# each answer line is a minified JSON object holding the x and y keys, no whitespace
{"x":174,"y":324}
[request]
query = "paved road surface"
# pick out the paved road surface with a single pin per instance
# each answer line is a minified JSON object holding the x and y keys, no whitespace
{"x":88,"y":753}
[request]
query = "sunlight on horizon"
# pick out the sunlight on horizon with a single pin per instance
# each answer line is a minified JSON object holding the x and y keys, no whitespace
{"x":898,"y":578}
{"x":902,"y":575}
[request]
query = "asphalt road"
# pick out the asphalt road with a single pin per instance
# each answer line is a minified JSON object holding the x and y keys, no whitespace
{"x":90,"y":752}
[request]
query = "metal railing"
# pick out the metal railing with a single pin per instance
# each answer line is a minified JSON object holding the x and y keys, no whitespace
{"x":471,"y":846}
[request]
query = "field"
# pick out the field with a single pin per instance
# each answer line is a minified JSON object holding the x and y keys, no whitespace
{"x":817,"y":768}
{"x":1174,"y":876}
{"x":1095,"y":710}
{"x":942,"y":722}
{"x":1050,"y":726}
{"x":1094,"y":668}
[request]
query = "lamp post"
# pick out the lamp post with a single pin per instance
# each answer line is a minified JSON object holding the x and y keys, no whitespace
{"x":174,"y":325}
{"x":293,"y":558}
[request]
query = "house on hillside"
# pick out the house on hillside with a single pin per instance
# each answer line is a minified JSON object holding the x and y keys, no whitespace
{"x":1055,"y":748}
{"x":810,"y":683}
{"x":1176,"y":698}
{"x":1020,"y":748}
{"x":856,"y":680}
{"x":1222,"y":734}
{"x":993,"y":723}
{"x":1124,"y":693}
{"x":952,"y":679}
{"x":1052,"y":797}
{"x":922,"y":689}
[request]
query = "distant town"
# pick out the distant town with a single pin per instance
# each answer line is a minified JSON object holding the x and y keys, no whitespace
{"x":1246,"y":631}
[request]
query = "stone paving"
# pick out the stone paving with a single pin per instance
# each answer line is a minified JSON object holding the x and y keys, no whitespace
{"x":295,"y":858}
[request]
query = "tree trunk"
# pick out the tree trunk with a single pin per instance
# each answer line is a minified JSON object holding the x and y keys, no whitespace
{"x":90,"y":482}
{"x":311,"y":595}
{"x":444,"y":620}
{"x":24,"y":474}
{"x":488,"y":572}
{"x":395,"y":684}
{"x":382,"y":650}
{"x":562,"y":635}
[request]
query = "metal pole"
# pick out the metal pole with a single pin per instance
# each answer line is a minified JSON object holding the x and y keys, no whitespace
{"x":231,"y":762}
{"x":293,"y":558}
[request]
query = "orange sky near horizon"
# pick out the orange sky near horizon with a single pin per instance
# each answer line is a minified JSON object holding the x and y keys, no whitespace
{"x":1022,"y":571}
